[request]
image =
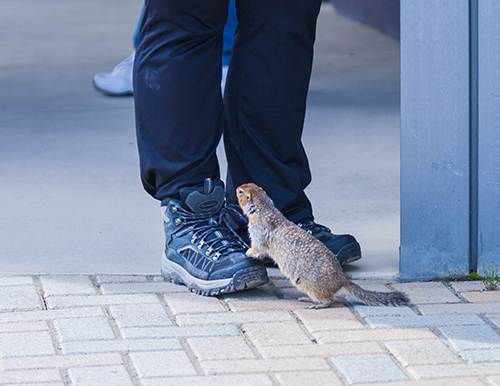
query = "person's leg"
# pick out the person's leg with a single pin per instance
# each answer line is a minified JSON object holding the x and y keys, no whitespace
{"x":179,"y":118}
{"x":265,"y":100}
{"x":179,"y":111}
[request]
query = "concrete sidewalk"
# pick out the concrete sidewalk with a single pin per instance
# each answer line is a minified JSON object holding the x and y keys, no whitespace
{"x":139,"y":330}
{"x":71,"y":199}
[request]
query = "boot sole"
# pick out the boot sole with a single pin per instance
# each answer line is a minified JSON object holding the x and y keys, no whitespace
{"x":243,"y":279}
{"x":349,"y":253}
{"x":112,"y":93}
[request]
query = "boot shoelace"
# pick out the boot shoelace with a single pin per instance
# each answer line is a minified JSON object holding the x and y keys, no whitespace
{"x":210,"y":229}
{"x":312,"y":228}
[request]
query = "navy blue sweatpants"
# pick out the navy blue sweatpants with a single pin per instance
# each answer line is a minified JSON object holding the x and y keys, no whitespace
{"x":180,"y":113}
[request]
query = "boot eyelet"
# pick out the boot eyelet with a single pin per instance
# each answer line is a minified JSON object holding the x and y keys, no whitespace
{"x":177,"y":221}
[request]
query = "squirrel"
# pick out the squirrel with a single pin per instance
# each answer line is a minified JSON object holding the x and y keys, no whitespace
{"x":306,"y":261}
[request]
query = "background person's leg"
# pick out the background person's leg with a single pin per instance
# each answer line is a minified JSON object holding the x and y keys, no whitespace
{"x":138,"y":28}
{"x":228,"y":34}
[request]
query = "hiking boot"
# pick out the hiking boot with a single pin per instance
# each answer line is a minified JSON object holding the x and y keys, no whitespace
{"x":201,"y":251}
{"x":345,"y":247}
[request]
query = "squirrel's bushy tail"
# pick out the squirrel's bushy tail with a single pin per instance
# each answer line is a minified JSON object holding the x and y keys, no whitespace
{"x":372,"y":298}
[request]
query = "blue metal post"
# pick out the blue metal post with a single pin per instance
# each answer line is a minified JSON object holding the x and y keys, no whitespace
{"x":435,"y":121}
{"x":489,"y":136}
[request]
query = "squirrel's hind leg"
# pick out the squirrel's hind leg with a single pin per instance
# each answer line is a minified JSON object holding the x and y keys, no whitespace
{"x":317,"y":304}
{"x":323,"y":304}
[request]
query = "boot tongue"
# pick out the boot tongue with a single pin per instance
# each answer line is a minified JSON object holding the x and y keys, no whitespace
{"x":208,"y":199}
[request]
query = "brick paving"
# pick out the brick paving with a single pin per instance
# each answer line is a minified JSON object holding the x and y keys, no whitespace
{"x":138,"y":330}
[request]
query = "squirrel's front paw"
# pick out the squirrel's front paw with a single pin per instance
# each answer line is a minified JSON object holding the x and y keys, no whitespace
{"x":254,"y":254}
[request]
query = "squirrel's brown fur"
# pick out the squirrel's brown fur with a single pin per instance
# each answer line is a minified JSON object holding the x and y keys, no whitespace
{"x":307,"y":262}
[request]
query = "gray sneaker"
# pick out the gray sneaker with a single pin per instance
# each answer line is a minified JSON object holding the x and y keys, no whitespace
{"x":117,"y":82}
{"x":201,"y":251}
